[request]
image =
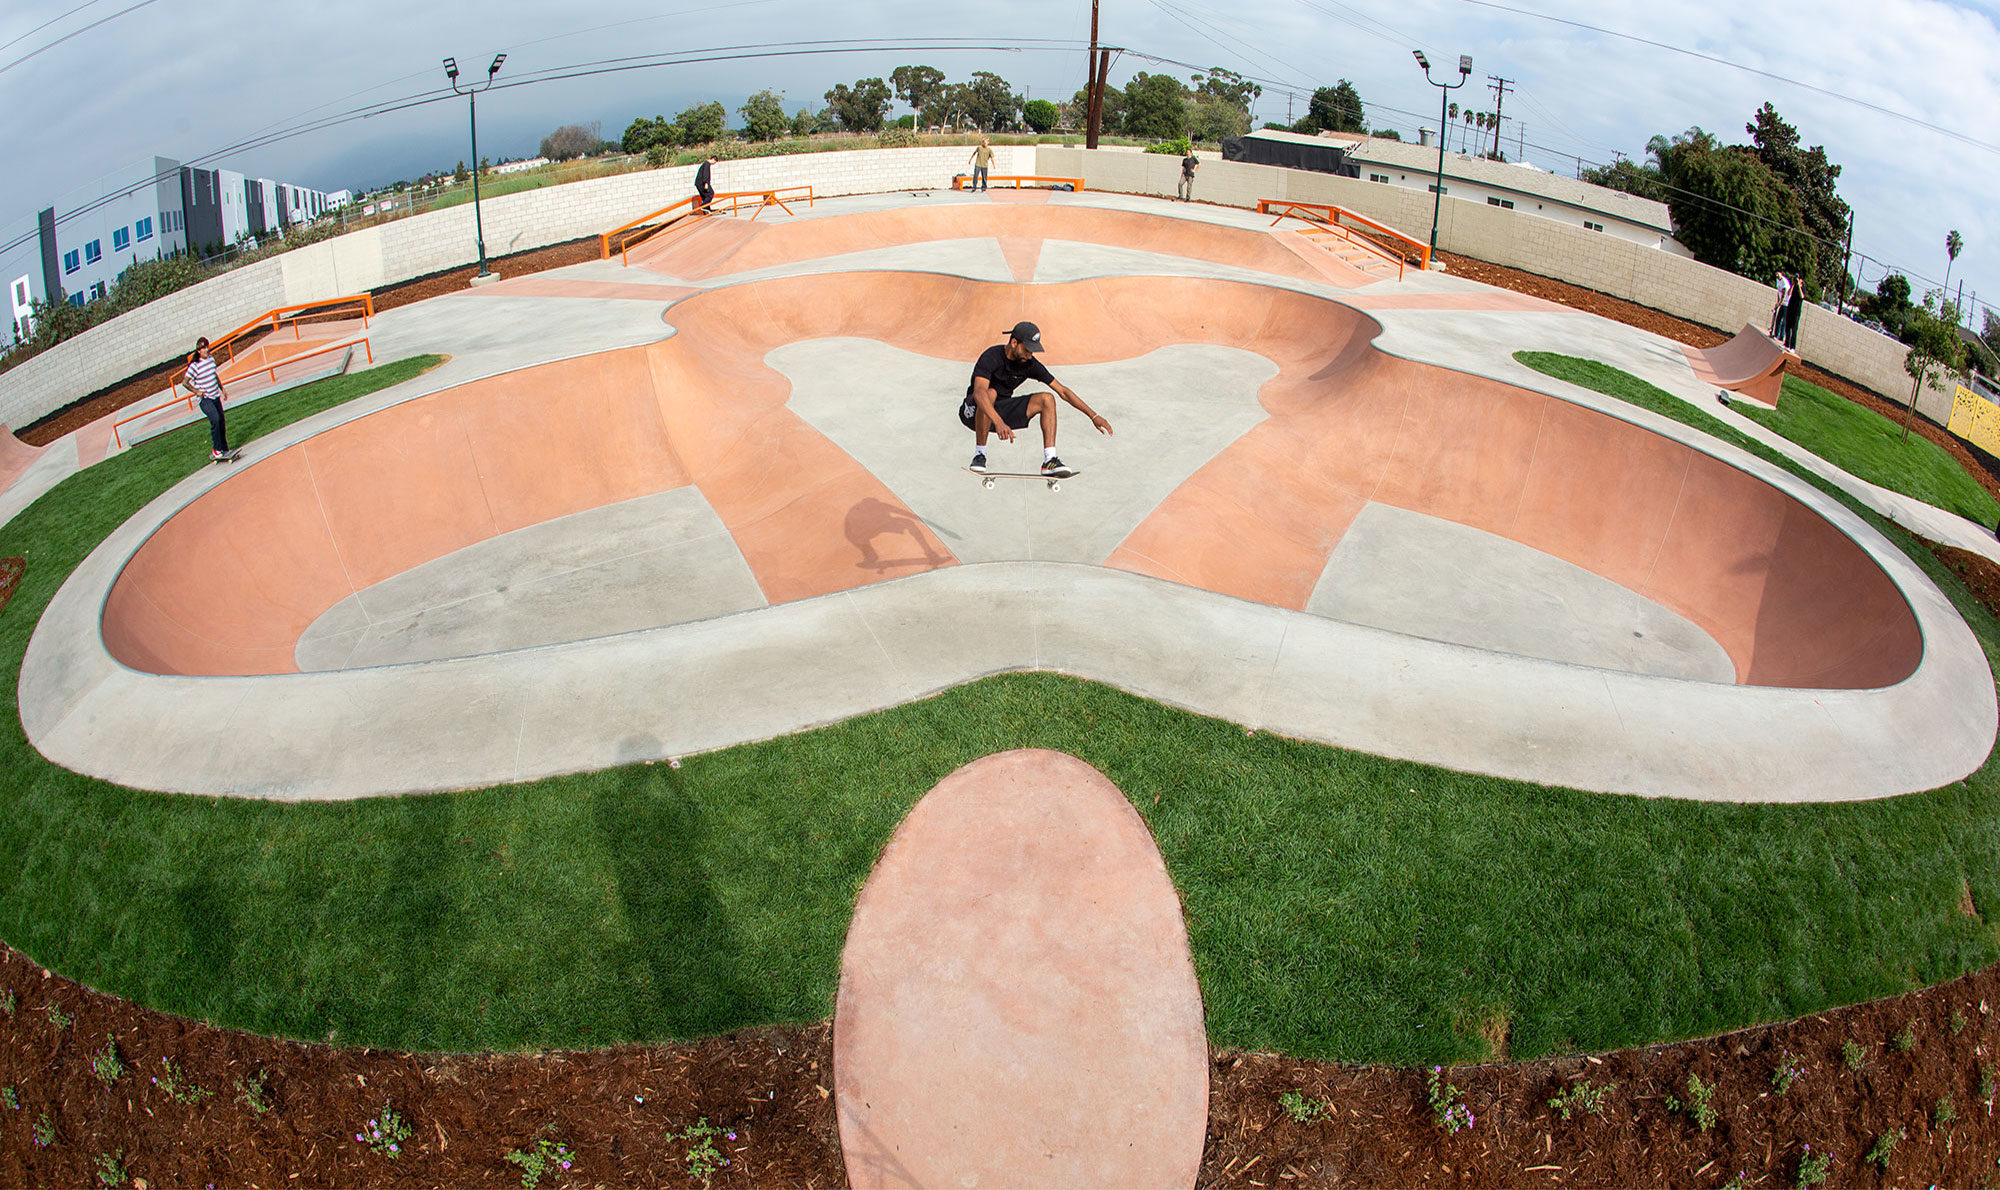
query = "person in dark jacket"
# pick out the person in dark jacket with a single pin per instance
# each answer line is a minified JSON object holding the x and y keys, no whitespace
{"x":1793,"y":309}
{"x":704,"y":186}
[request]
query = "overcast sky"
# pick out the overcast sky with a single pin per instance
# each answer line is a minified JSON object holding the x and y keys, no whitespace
{"x":185,"y":79}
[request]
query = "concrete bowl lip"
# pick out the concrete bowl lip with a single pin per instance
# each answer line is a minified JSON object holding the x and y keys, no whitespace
{"x":68,"y":640}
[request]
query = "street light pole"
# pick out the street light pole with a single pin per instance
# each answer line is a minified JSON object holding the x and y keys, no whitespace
{"x":472,"y":97}
{"x":1444,"y":94}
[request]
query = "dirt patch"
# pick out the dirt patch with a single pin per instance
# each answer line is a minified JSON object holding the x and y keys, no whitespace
{"x":152,"y":382}
{"x":625,"y":1113}
{"x":1980,"y":575}
{"x":11,"y":570}
{"x":1696,"y":335}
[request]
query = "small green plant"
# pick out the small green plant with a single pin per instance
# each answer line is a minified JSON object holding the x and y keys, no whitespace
{"x":704,"y":1160}
{"x":1906,"y":1040}
{"x":1989,"y":1083}
{"x":111,"y":1169}
{"x":1957,"y":1021}
{"x":536,"y":1160}
{"x":173,"y":1082}
{"x":1788,"y":1071}
{"x":45,"y":1131}
{"x":385,"y":1134}
{"x":1303,"y":1110}
{"x":1852,"y":1053}
{"x":1581,"y":1097}
{"x":252,"y":1095}
{"x":1944,"y":1113}
{"x":1813,"y":1167}
{"x":1447,"y":1106}
{"x":106,"y":1064}
{"x":7,"y":1002}
{"x":8,"y":1097}
{"x":1735,"y":1183}
{"x":1700,"y":1105}
{"x":1885,"y":1145}
{"x":59,"y":1018}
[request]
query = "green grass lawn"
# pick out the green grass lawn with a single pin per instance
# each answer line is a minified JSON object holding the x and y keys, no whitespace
{"x":1859,"y":441}
{"x":1340,"y":905}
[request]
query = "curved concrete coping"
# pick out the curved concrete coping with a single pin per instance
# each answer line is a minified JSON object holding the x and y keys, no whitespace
{"x":1018,"y":1005}
{"x":1856,"y":678}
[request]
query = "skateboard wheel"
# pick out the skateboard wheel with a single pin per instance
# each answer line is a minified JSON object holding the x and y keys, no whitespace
{"x":987,"y":483}
{"x":1055,"y":485}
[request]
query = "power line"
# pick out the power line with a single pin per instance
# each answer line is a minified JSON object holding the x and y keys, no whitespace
{"x":51,"y":21}
{"x":74,"y":33}
{"x":1719,"y":61}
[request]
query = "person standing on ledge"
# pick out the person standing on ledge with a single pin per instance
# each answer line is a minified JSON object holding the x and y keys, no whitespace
{"x":982,"y":160}
{"x":1784,"y":287}
{"x":202,"y":380}
{"x":1793,"y":308}
{"x":1189,"y":164}
{"x":704,"y":185}
{"x":990,"y":405}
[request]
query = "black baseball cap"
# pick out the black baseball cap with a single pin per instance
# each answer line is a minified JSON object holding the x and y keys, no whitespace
{"x":1029,"y":334}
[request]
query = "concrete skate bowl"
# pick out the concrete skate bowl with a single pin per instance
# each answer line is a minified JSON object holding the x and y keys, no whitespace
{"x":227,"y":586}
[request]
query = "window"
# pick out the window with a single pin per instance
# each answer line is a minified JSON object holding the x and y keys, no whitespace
{"x":76,"y":299}
{"x":21,"y":293}
{"x":144,"y":229}
{"x":1378,"y":177}
{"x":121,"y":239}
{"x":70,"y":264}
{"x":1500,"y":202}
{"x":1434,"y":188}
{"x":93,"y":252}
{"x":1589,"y":226}
{"x":97,"y":291}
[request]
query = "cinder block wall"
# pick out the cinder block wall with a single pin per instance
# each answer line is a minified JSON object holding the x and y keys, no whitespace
{"x":434,"y":242}
{"x":1520,"y":239}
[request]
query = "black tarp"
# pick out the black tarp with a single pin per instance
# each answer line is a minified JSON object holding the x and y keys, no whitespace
{"x":1259,"y":150}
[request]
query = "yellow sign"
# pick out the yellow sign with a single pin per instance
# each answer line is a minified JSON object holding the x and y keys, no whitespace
{"x":1975,"y":419}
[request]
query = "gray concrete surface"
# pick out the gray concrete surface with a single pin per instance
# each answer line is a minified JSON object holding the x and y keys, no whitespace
{"x":752,"y":674}
{"x":1407,"y":572}
{"x":625,"y":567}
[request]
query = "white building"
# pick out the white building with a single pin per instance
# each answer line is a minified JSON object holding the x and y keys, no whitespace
{"x":1513,"y":185}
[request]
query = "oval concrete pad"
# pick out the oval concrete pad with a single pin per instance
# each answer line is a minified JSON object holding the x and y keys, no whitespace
{"x":1017,"y":1003}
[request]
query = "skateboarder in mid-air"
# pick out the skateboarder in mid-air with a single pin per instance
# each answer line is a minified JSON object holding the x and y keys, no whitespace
{"x":990,"y":405}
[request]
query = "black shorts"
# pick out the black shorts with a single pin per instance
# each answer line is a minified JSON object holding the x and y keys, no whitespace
{"x":1012,"y":410}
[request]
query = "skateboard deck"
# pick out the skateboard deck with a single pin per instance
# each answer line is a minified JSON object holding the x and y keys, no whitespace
{"x":231,"y":457}
{"x":1054,"y":481}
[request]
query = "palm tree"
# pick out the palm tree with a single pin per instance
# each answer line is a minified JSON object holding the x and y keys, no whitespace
{"x":1452,"y":117}
{"x":1953,"y":245}
{"x":1465,"y":142}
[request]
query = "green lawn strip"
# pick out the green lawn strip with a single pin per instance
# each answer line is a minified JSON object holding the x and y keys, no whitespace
{"x":1340,"y":905}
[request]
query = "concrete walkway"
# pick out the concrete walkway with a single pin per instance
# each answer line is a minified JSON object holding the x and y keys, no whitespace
{"x":865,"y":600}
{"x":1017,"y":1002}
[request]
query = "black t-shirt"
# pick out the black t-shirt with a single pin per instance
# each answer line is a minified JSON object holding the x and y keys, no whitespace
{"x":701,"y":177}
{"x":1188,"y":163}
{"x":1004,"y":374}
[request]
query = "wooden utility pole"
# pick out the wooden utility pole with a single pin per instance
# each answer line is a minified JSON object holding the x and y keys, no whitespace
{"x":1499,"y":89}
{"x":1093,"y":105}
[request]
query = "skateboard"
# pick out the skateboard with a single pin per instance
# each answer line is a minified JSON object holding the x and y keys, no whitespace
{"x":1054,"y":481}
{"x":231,"y":457}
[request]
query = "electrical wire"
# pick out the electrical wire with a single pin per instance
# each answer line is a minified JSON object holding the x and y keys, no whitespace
{"x":74,"y":33}
{"x":51,"y":21}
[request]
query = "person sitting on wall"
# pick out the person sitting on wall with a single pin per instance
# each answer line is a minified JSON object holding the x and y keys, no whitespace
{"x":990,"y":405}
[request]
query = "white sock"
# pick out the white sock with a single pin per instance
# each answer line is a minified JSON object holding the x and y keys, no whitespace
{"x":1048,"y":452}
{"x":978,"y":451}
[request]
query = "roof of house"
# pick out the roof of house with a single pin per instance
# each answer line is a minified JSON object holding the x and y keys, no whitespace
{"x":1504,"y":175}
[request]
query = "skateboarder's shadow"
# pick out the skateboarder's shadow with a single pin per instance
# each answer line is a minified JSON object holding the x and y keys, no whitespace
{"x":872,"y":518}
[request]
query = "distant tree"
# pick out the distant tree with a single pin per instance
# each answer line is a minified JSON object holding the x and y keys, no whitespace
{"x":1812,"y":180}
{"x":1730,"y":209}
{"x":1632,"y":177}
{"x":1889,"y":304}
{"x":700,"y":124}
{"x":657,"y":155}
{"x":1387,"y":134}
{"x":459,"y":175}
{"x":764,"y":116}
{"x":860,"y":108}
{"x":1228,"y":87}
{"x":1112,"y":118}
{"x":1334,"y":109}
{"x":642,"y":134}
{"x":1932,"y":333}
{"x":989,"y":102}
{"x":1990,"y":331}
{"x":1155,"y":106}
{"x":485,"y":167}
{"x":805,"y":123}
{"x":1040,"y":114}
{"x":919,"y":86}
{"x":1953,"y":245}
{"x":569,"y":141}
{"x":1213,"y":119}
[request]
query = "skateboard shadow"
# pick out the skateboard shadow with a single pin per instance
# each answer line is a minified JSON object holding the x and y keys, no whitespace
{"x":870,"y":519}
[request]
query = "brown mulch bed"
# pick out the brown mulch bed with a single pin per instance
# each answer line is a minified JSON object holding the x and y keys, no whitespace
{"x":11,"y":570}
{"x":625,"y":1112}
{"x":1695,"y":334}
{"x":153,"y":381}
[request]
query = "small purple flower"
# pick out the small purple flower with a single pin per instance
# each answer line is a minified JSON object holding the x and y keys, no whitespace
{"x":732,"y":1136}
{"x":565,"y":1165}
{"x":156,"y":1082}
{"x":395,"y":1148}
{"x":357,"y":1136}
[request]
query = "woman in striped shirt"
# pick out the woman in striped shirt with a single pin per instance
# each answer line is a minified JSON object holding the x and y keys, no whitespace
{"x":206,"y":385}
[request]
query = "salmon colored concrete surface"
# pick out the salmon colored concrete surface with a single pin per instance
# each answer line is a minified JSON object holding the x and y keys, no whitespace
{"x":1793,"y":600}
{"x":1752,"y":365}
{"x":15,"y":457}
{"x":1017,"y":1004}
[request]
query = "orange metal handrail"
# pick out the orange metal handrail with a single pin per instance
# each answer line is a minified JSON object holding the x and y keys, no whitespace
{"x":1329,"y":215}
{"x":189,"y":400}
{"x":644,"y":226}
{"x":958,"y":182}
{"x":224,"y":348}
